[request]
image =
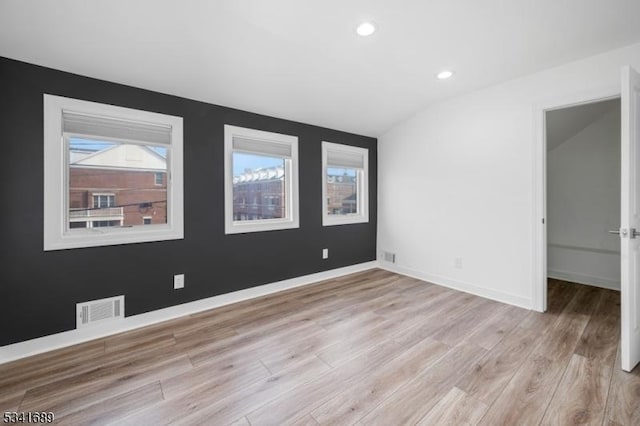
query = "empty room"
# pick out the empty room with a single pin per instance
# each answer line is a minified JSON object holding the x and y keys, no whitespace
{"x":281,"y":212}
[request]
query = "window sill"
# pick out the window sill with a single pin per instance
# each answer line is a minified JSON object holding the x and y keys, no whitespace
{"x":97,"y":238}
{"x":245,"y":227}
{"x":344,"y":220}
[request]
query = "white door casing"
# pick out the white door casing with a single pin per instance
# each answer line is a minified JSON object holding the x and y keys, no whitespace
{"x":630,"y":219}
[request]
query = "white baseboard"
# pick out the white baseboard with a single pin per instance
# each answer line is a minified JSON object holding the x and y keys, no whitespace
{"x":584,"y":279}
{"x":68,"y":338}
{"x":510,"y":299}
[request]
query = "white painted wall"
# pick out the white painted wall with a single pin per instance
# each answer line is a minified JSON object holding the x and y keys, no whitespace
{"x":583,"y":203}
{"x":456,"y":180}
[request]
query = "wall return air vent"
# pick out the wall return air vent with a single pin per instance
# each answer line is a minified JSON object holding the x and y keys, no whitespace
{"x":389,"y":257}
{"x":99,"y":311}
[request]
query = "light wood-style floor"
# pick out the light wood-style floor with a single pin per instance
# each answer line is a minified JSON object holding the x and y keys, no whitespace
{"x":370,"y":348}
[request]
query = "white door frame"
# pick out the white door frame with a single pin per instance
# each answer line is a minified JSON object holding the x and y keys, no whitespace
{"x":539,"y":290}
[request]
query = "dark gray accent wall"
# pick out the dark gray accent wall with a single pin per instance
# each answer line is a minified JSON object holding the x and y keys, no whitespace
{"x":39,"y":290}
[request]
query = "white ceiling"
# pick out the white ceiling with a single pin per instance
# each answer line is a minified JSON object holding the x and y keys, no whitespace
{"x":301,"y":59}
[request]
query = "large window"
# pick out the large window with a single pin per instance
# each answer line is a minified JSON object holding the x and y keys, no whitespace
{"x":345,"y":183}
{"x":108,"y":171}
{"x":261,"y":180}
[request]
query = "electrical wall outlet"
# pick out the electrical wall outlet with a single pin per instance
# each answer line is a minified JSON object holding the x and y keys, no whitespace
{"x":457,"y":263}
{"x":178,"y":281}
{"x":325,"y":253}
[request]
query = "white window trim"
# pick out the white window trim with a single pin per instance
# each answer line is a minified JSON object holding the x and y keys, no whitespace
{"x":362,"y":187}
{"x":292,"y":219}
{"x":56,"y":235}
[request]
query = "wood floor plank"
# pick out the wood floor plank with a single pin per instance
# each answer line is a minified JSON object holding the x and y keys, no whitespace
{"x":281,"y":358}
{"x":71,"y":394}
{"x":305,"y":421}
{"x":429,"y":308}
{"x":290,"y":407}
{"x":436,"y":316}
{"x":142,"y":337}
{"x":284,"y":333}
{"x":561,"y":340}
{"x":10,"y":401}
{"x":252,"y":397}
{"x":413,"y":300}
{"x":114,"y":409}
{"x":225,"y":403}
{"x":330,"y":319}
{"x":585,"y":301}
{"x":504,"y":319}
{"x":350,"y":291}
{"x":229,"y":315}
{"x":241,"y":422}
{"x":278,"y":357}
{"x":412,"y":401}
{"x":353,"y":403}
{"x":353,"y":345}
{"x":599,"y":340}
{"x":524,"y":400}
{"x":455,"y":409}
{"x":491,"y":374}
{"x":466,"y":323}
{"x":623,"y":403}
{"x":560,"y":293}
{"x":228,"y":373}
{"x":353,"y":321}
{"x":344,"y":306}
{"x":277,"y":353}
{"x":582,"y":394}
{"x":204,"y":338}
{"x":39,"y":369}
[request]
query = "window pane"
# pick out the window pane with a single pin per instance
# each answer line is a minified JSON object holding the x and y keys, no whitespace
{"x":258,"y":187}
{"x":342,"y":191}
{"x":115,"y":184}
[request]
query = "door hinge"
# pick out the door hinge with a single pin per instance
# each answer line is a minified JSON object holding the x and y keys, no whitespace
{"x":623,"y":232}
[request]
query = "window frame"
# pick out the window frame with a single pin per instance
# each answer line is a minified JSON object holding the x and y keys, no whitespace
{"x":362,"y":186}
{"x":155,"y":178}
{"x":291,"y":196}
{"x":57,"y":235}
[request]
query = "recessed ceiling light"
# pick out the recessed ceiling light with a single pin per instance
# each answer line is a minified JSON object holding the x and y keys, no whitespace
{"x":365,"y":29}
{"x":443,"y":75}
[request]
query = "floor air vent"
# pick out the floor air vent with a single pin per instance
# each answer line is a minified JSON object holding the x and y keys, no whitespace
{"x":99,"y":311}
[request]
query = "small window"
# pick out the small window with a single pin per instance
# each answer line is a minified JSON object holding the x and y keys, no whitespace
{"x":345,"y":184}
{"x":146,"y":220}
{"x":261,"y":180}
{"x":101,"y":201}
{"x":106,"y":168}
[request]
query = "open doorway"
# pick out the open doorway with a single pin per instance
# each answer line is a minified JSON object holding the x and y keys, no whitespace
{"x":628,"y":228}
{"x":583,"y":194}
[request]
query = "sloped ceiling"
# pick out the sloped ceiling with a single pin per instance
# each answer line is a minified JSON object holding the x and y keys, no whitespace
{"x":564,"y":123}
{"x":302,"y":60}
